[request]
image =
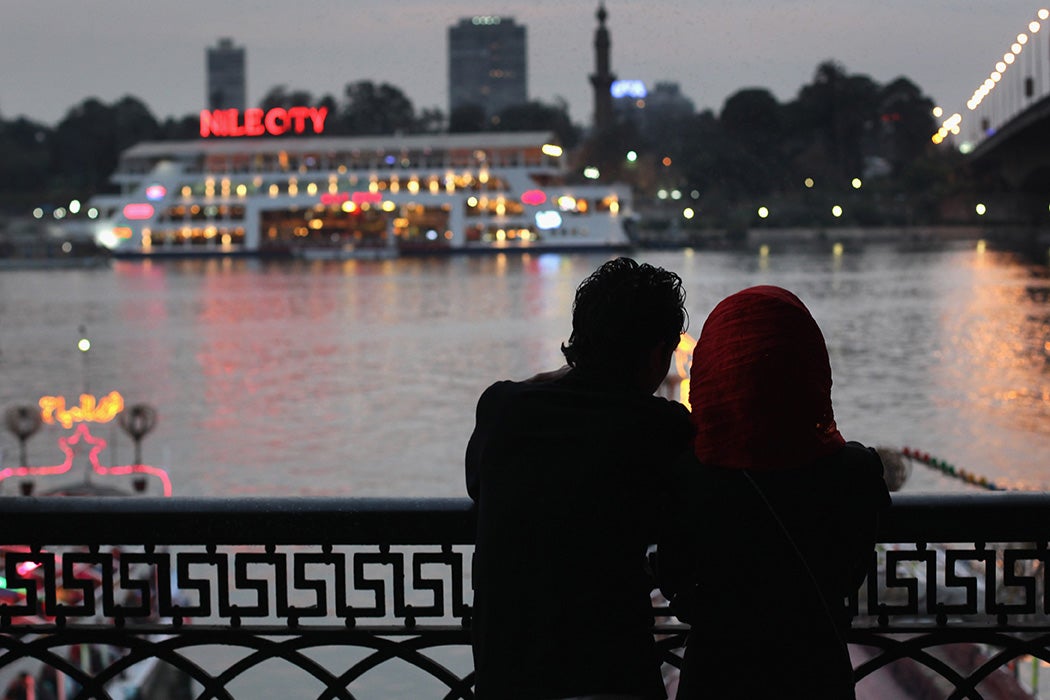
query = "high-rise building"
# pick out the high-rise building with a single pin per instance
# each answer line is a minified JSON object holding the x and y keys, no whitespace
{"x":226,"y":76}
{"x":487,"y":64}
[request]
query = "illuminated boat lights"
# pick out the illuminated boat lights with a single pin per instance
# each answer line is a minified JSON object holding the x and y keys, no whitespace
{"x":263,"y":195}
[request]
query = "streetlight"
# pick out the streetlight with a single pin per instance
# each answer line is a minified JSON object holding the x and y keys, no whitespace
{"x":23,"y":422}
{"x":84,"y":345}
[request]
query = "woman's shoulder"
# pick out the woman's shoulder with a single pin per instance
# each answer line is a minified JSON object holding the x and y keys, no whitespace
{"x":857,"y":459}
{"x":849,"y":472}
{"x":858,"y":469}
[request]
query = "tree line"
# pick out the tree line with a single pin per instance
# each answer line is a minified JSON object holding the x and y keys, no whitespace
{"x":844,"y":140}
{"x":840,"y":127}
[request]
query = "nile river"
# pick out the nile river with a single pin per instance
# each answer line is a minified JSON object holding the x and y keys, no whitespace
{"x":360,"y":378}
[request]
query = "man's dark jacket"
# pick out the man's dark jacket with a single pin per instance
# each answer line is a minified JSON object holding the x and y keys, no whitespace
{"x":569,"y":478}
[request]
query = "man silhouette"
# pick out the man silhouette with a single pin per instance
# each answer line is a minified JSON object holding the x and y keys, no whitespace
{"x":567,"y":470}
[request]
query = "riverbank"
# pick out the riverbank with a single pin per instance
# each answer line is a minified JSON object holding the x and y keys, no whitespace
{"x":851,"y":236}
{"x":770,"y":239}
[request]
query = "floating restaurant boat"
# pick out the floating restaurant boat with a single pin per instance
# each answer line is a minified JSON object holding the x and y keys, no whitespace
{"x":322,"y":197}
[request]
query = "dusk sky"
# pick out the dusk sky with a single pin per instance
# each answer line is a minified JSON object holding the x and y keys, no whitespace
{"x":55,"y":54}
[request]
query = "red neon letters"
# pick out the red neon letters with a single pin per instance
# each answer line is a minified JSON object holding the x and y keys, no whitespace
{"x":256,"y":122}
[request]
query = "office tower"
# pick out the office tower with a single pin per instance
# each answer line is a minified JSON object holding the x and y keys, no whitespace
{"x":487,"y":64}
{"x":226,"y":76}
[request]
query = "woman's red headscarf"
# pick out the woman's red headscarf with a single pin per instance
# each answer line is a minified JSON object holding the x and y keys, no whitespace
{"x":760,"y":385}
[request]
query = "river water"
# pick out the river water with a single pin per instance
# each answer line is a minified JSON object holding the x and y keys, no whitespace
{"x":360,"y":378}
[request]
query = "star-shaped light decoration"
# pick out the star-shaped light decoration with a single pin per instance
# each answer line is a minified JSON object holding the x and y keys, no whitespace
{"x":67,"y":443}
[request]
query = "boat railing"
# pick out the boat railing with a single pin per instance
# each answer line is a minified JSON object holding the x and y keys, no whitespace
{"x":956,"y":594}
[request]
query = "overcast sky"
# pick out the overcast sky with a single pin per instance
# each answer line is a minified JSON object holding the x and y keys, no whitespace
{"x":55,"y":54}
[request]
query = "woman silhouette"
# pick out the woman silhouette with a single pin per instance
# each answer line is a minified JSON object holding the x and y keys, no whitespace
{"x":776,"y":515}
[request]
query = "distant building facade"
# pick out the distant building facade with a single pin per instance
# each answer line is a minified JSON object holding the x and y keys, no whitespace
{"x":654,"y":112}
{"x":487,"y":64}
{"x":226,"y":76}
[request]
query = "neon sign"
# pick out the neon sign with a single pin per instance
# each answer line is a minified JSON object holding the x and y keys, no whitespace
{"x":366,"y":198}
{"x":97,"y":445}
{"x":533,"y":197}
{"x":336,"y":199}
{"x":256,"y":122}
{"x":91,"y":410}
{"x":628,"y":88}
{"x":138,"y":211}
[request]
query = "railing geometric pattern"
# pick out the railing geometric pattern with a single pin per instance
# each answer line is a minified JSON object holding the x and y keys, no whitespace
{"x":956,"y":593}
{"x":236,"y":586}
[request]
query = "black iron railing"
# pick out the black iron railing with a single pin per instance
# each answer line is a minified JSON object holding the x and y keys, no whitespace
{"x":222,"y":598}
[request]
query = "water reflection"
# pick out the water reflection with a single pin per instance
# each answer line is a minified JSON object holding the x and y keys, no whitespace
{"x":360,"y":378}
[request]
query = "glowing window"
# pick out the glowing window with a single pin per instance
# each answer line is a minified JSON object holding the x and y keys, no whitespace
{"x":547,"y":220}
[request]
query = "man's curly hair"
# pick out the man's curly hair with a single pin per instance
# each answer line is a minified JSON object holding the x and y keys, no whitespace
{"x":622,"y":310}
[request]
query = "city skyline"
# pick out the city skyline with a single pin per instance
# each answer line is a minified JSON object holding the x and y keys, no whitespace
{"x":111,"y":48}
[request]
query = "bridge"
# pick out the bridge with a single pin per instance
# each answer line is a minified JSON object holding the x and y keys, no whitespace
{"x":349,"y":598}
{"x":1003,"y":129}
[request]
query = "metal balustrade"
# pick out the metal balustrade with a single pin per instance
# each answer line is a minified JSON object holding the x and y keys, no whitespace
{"x":346,"y":594}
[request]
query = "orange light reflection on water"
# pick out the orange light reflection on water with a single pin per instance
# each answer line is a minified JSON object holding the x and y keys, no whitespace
{"x":992,"y":370}
{"x":676,"y":385}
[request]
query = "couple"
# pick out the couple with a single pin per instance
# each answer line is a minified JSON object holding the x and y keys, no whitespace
{"x":763,"y":516}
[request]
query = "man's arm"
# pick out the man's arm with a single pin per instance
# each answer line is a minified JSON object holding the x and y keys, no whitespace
{"x":483,"y":420}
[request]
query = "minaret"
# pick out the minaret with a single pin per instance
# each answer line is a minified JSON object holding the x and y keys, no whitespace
{"x":602,"y":79}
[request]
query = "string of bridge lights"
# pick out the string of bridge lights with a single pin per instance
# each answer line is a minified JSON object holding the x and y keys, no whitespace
{"x":951,"y":125}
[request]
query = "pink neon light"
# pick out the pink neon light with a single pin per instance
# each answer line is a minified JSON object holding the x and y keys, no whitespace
{"x":330,"y":199}
{"x":534,"y":197}
{"x":155,"y":192}
{"x":97,"y":445}
{"x":366,"y":197}
{"x":25,"y":567}
{"x":138,"y":211}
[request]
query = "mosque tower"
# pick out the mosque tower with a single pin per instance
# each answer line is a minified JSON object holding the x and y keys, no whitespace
{"x":602,"y":79}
